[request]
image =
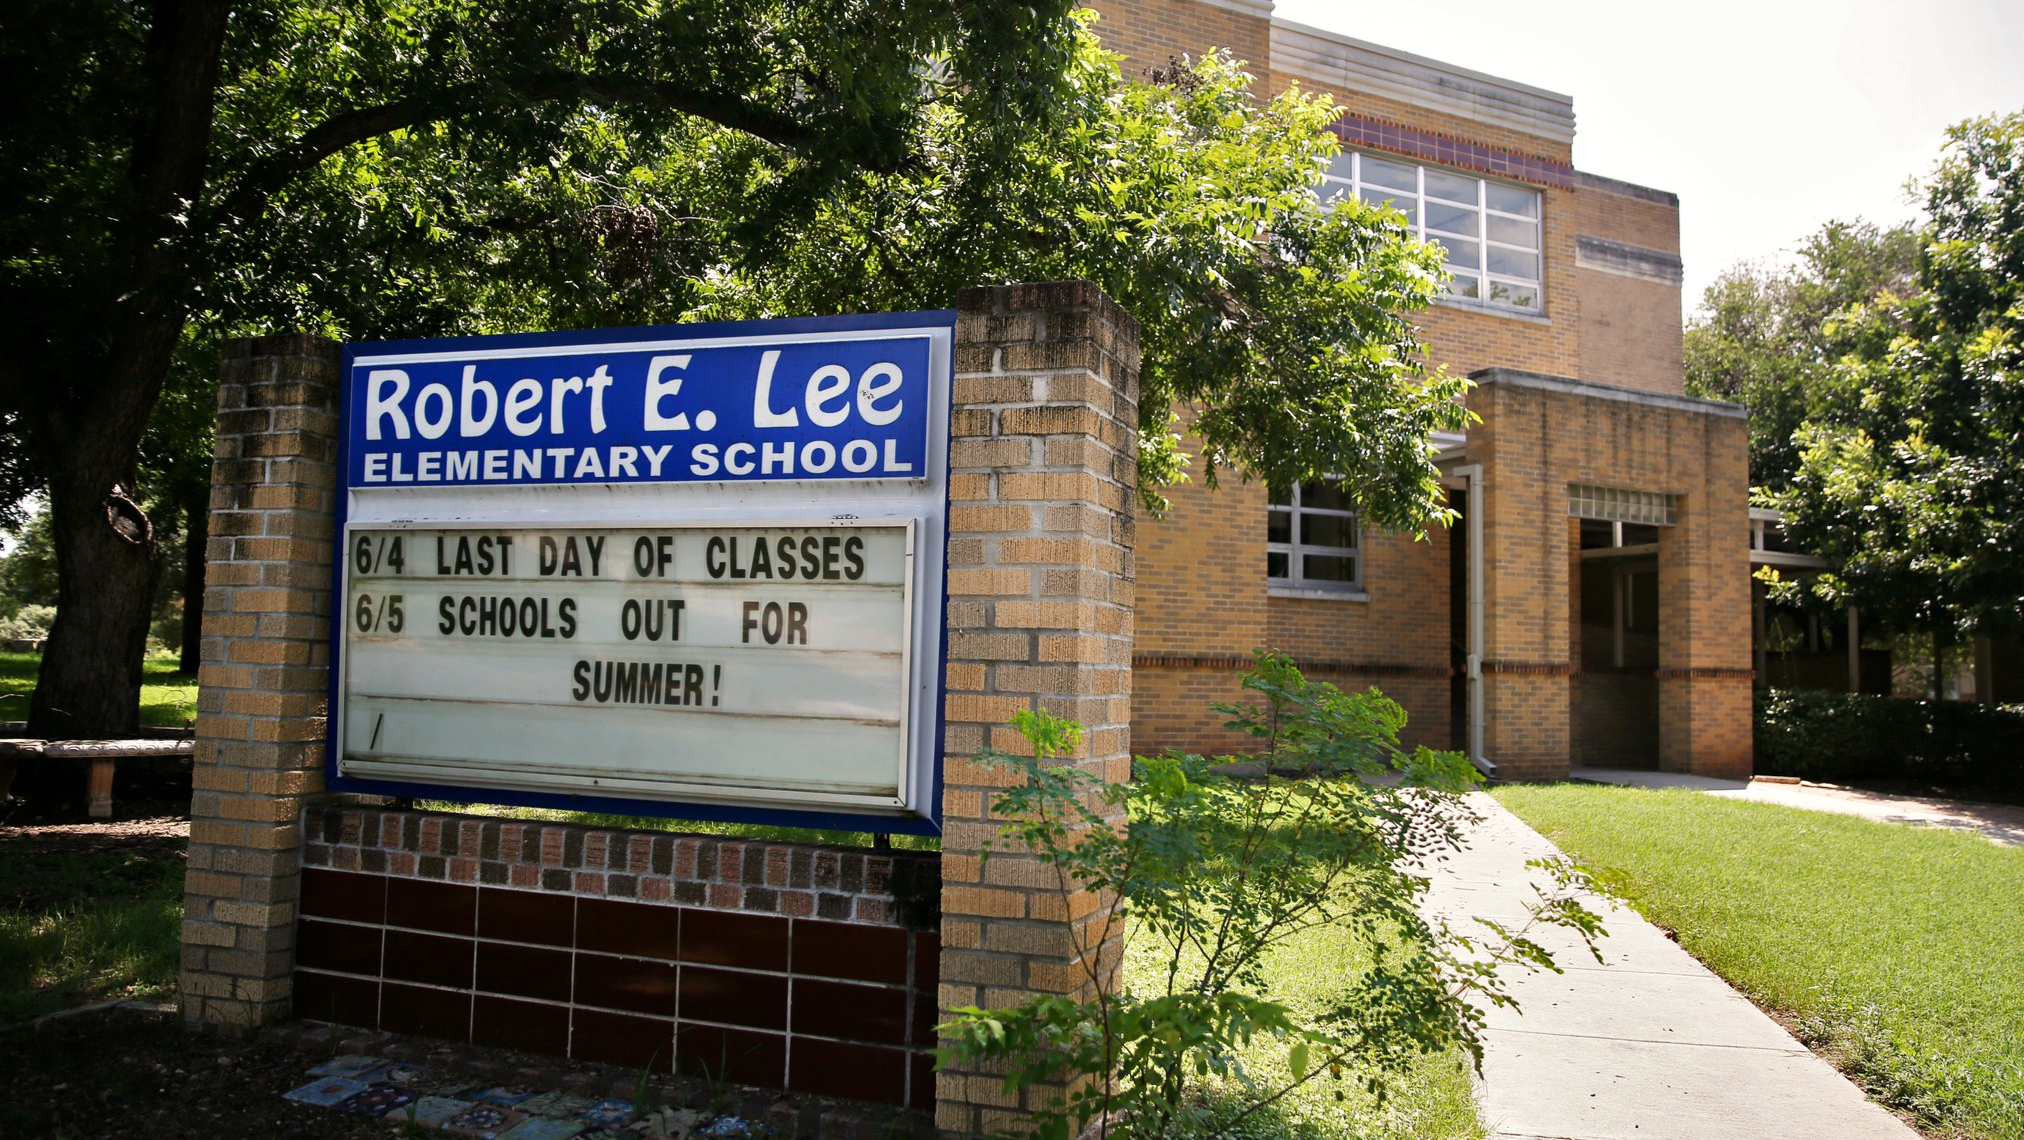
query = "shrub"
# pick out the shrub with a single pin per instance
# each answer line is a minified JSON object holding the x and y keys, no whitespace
{"x":1852,"y":737}
{"x":1220,"y":861}
{"x":28,"y":622}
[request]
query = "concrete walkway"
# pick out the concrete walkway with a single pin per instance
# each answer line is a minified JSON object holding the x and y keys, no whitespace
{"x":2002,"y":823}
{"x":1648,"y":1044}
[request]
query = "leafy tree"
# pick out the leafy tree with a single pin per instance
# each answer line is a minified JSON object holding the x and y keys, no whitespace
{"x":1273,"y":319}
{"x":28,"y":571}
{"x":435,"y":167}
{"x":155,"y":155}
{"x":1771,"y":337}
{"x":1911,"y":479}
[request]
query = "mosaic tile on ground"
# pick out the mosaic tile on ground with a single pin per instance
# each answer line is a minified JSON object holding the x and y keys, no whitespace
{"x":408,"y":1094}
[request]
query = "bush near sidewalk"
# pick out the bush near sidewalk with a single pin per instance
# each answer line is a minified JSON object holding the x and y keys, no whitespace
{"x":1897,"y":951}
{"x":1315,"y":839}
{"x":1854,"y":738}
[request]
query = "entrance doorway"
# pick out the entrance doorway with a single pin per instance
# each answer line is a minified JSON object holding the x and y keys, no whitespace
{"x":1614,"y":620}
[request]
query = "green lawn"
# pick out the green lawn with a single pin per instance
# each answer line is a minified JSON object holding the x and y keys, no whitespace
{"x":1432,"y":1100}
{"x":1899,"y":951}
{"x":168,"y":698}
{"x":17,"y":680}
{"x":78,"y":927}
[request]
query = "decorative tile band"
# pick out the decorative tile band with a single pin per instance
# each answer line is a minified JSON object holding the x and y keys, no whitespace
{"x":1449,"y":151}
{"x":1309,"y":665}
{"x":840,"y":884}
{"x":1707,"y":673}
{"x":1530,"y":668}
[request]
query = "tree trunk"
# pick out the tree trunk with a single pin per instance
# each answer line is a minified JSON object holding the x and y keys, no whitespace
{"x":90,"y":682}
{"x":99,"y":380}
{"x":196,"y":537}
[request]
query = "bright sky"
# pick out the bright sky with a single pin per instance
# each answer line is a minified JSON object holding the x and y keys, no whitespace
{"x":1767,"y":118}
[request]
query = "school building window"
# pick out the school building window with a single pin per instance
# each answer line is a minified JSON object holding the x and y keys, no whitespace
{"x":1490,"y":230}
{"x":1311,"y":540}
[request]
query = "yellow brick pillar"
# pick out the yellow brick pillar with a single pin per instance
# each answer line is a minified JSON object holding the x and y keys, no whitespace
{"x":1528,"y":659}
{"x":1705,"y":660}
{"x":1042,"y":475}
{"x":260,"y":710}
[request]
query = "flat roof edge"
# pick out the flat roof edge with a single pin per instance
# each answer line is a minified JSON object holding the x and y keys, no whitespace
{"x":1610,"y":185}
{"x":1589,"y":389}
{"x":1335,"y":60}
{"x":1423,"y":61}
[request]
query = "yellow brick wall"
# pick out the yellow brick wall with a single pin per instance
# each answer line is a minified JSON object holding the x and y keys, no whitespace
{"x":1631,"y":335}
{"x":1149,"y":32}
{"x":1630,"y":327}
{"x":1203,"y":608}
{"x":1203,"y":602}
{"x":1535,"y":442}
{"x":1367,"y":106}
{"x":1202,"y":569}
{"x":1627,"y":217}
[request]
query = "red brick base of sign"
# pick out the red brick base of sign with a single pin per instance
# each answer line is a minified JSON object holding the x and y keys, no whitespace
{"x":793,"y":966}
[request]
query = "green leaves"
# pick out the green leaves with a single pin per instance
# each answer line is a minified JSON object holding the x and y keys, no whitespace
{"x":1910,"y":468}
{"x":1771,"y":338}
{"x":1273,"y":324}
{"x":1223,"y":860}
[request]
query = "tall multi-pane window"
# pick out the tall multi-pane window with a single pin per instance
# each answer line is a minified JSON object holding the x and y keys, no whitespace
{"x":1311,"y":539}
{"x":1490,"y":230}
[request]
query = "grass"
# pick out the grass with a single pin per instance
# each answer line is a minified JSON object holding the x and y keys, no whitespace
{"x":78,"y":927}
{"x":168,"y":698}
{"x":1431,"y":1100}
{"x":1897,"y":951}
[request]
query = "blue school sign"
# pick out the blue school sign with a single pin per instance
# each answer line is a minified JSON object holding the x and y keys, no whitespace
{"x":641,"y":405}
{"x":692,"y":570}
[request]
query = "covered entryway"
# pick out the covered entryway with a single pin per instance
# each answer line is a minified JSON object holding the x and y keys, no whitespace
{"x":1604,"y":579}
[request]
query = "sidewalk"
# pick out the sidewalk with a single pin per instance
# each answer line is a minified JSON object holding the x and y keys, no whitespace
{"x":2002,"y":823}
{"x":1648,"y":1044}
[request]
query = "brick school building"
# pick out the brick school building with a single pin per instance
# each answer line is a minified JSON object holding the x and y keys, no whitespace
{"x":1593,"y":603}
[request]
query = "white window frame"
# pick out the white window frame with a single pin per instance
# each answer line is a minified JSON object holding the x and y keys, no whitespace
{"x":1294,"y":549}
{"x":1487,"y":283}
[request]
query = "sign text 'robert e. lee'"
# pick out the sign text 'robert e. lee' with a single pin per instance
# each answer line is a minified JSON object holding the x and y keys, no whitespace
{"x":625,"y":655}
{"x":659,"y":412}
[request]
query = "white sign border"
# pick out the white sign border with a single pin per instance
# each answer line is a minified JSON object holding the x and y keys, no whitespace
{"x":530,"y":779}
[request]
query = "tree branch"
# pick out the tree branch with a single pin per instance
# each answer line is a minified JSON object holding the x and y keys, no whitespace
{"x":249,"y":197}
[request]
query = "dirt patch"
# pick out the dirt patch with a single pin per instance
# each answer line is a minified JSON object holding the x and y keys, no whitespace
{"x":149,"y":828}
{"x":118,"y":1073}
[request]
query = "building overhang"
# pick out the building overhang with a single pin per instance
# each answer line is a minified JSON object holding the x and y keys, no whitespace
{"x":1588,"y":389}
{"x":1337,"y":63}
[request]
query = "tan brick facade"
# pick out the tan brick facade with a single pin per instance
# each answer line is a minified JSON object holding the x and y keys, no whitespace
{"x":1609,"y":322}
{"x":1538,"y":436}
{"x":1043,"y":466}
{"x":259,"y":741}
{"x":1150,"y":32}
